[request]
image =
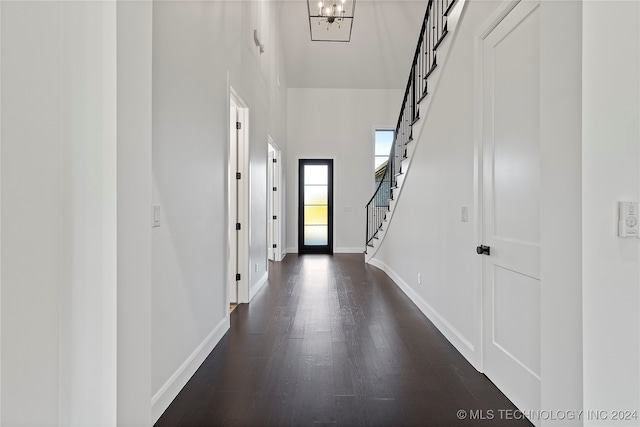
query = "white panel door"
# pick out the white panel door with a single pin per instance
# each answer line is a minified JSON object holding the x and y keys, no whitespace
{"x":511,"y":206}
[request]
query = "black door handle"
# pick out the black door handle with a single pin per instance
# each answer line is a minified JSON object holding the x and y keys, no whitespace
{"x":482,"y":249}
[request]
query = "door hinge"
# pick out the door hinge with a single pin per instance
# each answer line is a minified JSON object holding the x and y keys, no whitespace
{"x":237,"y":226}
{"x":238,"y":125}
{"x":275,"y":246}
{"x":275,"y":160}
{"x":275,"y":188}
{"x":238,"y":175}
{"x":237,"y":276}
{"x":275,"y":217}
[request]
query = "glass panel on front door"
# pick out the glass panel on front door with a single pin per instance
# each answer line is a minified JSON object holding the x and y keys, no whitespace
{"x":316,"y":204}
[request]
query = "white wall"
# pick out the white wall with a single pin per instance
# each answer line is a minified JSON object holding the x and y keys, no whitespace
{"x":561,"y":198}
{"x":88,"y":215}
{"x":67,"y":346}
{"x":134,"y":37}
{"x":198,"y":47}
{"x":1,"y":213}
{"x":76,"y":177}
{"x":31,"y":240}
{"x":610,"y":164}
{"x":338,"y":124}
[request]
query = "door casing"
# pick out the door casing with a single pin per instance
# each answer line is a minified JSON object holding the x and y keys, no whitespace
{"x":274,"y":202}
{"x":238,"y":200}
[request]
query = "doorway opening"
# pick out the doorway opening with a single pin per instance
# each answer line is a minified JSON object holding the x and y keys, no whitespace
{"x":274,"y":191}
{"x":238,"y":223}
{"x":315,"y":206}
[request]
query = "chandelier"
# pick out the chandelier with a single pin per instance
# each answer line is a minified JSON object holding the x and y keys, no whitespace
{"x":331,"y":20}
{"x":332,"y":13}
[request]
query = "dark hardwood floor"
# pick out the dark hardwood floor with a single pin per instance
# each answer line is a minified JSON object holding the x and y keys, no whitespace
{"x":333,"y":341}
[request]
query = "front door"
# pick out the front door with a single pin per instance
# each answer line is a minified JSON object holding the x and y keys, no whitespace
{"x":315,"y":215}
{"x":511,"y":206}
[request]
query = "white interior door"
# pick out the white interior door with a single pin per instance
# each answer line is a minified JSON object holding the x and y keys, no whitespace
{"x":511,"y":206}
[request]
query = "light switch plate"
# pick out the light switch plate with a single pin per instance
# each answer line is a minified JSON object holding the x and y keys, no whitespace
{"x":628,"y":220}
{"x":464,"y":214}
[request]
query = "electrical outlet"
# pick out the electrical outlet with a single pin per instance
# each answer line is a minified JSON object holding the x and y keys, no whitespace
{"x":255,"y":267}
{"x":419,"y":278}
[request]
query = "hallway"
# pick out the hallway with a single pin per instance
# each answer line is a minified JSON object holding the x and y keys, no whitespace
{"x":333,"y":341}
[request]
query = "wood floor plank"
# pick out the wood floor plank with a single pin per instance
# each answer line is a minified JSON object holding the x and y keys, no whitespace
{"x":332,"y":341}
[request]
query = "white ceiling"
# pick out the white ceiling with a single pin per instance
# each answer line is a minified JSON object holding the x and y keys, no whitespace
{"x":383,"y":41}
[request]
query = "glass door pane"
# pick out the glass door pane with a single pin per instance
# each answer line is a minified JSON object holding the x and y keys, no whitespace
{"x":316,"y":215}
{"x":315,"y":209}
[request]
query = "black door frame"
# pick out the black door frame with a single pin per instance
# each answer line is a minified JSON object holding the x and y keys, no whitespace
{"x":308,"y":249}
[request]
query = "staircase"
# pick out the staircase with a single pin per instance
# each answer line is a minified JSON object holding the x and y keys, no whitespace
{"x":439,"y":22}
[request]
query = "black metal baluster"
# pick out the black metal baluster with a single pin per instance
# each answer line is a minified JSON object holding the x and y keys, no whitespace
{"x":423,"y":84}
{"x":430,"y":41}
{"x":434,"y":37}
{"x":439,"y":19}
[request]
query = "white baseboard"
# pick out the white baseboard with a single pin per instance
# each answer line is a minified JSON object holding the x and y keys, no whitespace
{"x":455,"y":337}
{"x":357,"y":250}
{"x":259,"y":285}
{"x":292,"y":250}
{"x":163,"y":398}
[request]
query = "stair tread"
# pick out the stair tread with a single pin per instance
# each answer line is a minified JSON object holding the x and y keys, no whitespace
{"x":423,"y":96}
{"x":446,"y":12}
{"x":442,"y":37}
{"x":432,"y":69}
